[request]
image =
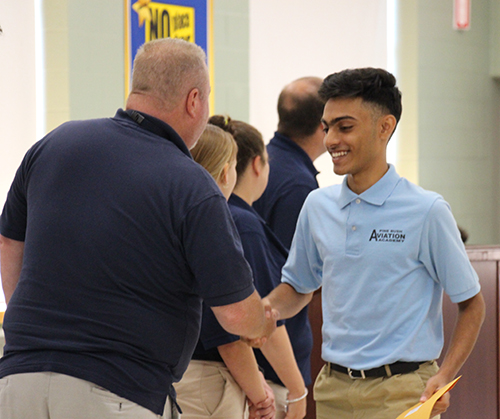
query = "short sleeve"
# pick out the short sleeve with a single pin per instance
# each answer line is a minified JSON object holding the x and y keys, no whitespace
{"x":304,"y":267}
{"x":443,"y":254}
{"x":213,"y":251}
{"x":13,"y":220}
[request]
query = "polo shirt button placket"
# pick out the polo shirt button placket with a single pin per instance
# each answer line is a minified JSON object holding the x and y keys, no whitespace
{"x":358,"y":201}
{"x":353,"y":220}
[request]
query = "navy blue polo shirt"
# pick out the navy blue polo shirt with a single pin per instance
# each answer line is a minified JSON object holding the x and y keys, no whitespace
{"x":124,"y":236}
{"x":266,"y":256}
{"x":292,"y":176}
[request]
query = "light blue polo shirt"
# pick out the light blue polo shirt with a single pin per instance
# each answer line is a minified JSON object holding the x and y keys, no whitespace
{"x":383,"y":259}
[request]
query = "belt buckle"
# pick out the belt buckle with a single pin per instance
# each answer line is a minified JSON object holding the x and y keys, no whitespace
{"x":352,"y":377}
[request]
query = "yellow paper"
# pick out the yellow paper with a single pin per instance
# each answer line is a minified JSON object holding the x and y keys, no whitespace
{"x":423,"y":410}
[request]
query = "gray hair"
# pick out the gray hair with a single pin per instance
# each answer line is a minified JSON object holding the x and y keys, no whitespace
{"x":169,"y":68}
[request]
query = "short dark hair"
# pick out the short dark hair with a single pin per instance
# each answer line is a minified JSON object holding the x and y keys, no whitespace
{"x":300,"y":113}
{"x":373,"y":85}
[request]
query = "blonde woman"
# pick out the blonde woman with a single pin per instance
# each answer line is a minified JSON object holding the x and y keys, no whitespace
{"x":223,"y":372}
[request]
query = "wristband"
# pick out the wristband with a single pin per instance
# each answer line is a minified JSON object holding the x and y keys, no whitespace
{"x":298,"y":399}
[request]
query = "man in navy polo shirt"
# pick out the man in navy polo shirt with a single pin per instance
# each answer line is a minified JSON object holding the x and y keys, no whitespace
{"x":111,"y":237}
{"x":292,"y":176}
{"x":383,"y":250}
{"x":295,"y":145}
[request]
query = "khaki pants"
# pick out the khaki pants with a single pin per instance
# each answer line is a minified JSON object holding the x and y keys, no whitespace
{"x":340,"y":397}
{"x":280,"y":396}
{"x":44,"y":395}
{"x":208,"y":390}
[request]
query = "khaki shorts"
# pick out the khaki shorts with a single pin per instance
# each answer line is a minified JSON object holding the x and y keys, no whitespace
{"x":340,"y":397}
{"x":44,"y":395}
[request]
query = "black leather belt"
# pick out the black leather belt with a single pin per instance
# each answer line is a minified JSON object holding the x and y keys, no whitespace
{"x":399,"y":367}
{"x":208,"y":356}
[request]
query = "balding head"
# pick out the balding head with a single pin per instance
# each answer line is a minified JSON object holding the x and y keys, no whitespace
{"x":167,"y":69}
{"x":300,"y":108}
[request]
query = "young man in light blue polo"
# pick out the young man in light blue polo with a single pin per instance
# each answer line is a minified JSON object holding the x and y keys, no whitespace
{"x":383,"y":250}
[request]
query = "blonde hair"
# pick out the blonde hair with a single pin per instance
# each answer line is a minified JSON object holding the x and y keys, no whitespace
{"x":214,"y":150}
{"x":168,"y":68}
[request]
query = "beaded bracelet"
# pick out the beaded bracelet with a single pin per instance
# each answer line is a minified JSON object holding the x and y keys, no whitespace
{"x":298,"y":399}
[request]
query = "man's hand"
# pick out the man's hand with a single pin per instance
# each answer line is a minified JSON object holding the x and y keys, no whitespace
{"x":271,"y":317}
{"x":471,"y":314}
{"x":246,"y":318}
{"x":265,"y":409}
{"x":433,"y":385}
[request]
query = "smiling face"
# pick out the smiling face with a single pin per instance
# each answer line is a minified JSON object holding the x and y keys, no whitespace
{"x":356,"y":136}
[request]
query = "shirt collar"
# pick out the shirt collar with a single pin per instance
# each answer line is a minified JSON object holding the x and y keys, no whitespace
{"x":283,"y":142}
{"x":240,"y":203}
{"x":156,"y":126}
{"x":376,"y":195}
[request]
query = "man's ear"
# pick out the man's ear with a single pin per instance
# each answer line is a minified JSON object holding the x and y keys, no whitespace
{"x":193,"y":102}
{"x":387,"y":126}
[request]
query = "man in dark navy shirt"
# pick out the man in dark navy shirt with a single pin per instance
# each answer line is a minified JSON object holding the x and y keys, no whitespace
{"x":292,"y":150}
{"x":111,"y":237}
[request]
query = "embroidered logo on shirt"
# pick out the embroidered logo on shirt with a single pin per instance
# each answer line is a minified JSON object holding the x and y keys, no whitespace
{"x":395,"y":236}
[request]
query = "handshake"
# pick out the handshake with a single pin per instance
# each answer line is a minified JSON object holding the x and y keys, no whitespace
{"x":252,"y":318}
{"x":271,"y":316}
{"x":255,"y":319}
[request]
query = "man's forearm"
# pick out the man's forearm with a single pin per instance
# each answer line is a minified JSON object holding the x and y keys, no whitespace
{"x":470,"y":319}
{"x":11,"y":262}
{"x":287,"y":301}
{"x":246,"y":318}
